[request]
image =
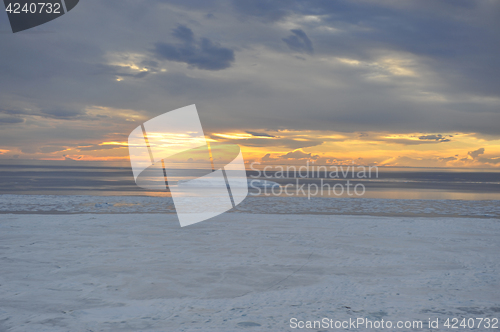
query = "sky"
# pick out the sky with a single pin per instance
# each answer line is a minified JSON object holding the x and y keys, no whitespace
{"x":388,"y":83}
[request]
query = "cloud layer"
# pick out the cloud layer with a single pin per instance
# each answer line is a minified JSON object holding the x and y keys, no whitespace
{"x":383,"y":68}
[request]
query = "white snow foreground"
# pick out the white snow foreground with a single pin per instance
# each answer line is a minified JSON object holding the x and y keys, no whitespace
{"x":251,"y":272}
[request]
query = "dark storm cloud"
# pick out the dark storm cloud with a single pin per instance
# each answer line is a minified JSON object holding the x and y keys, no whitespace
{"x":299,"y":42}
{"x":202,"y":54}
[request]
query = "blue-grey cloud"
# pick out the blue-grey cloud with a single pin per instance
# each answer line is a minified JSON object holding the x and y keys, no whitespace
{"x":474,"y":154}
{"x":298,"y":155}
{"x":264,"y":9}
{"x":299,"y":42}
{"x":183,"y":33}
{"x":202,"y":54}
{"x":492,"y":161}
{"x":51,"y":149}
{"x":5,"y":120}
{"x":97,"y":147}
{"x":288,"y":143}
{"x":61,"y":113}
{"x":437,"y":138}
{"x":253,"y":133}
{"x":51,"y":113}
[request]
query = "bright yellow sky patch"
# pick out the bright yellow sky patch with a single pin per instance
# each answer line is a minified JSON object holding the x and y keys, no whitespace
{"x":368,"y":148}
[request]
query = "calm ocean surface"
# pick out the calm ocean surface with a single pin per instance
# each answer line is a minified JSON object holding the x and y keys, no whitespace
{"x":107,"y":179}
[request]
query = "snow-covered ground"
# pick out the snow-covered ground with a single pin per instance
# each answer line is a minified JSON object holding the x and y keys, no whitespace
{"x":242,"y":271}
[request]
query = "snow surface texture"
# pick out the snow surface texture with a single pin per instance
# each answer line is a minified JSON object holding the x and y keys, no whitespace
{"x":274,"y":205}
{"x":248,"y":272}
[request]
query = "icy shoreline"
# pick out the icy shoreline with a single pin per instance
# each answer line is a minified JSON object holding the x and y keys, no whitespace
{"x":77,"y":204}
